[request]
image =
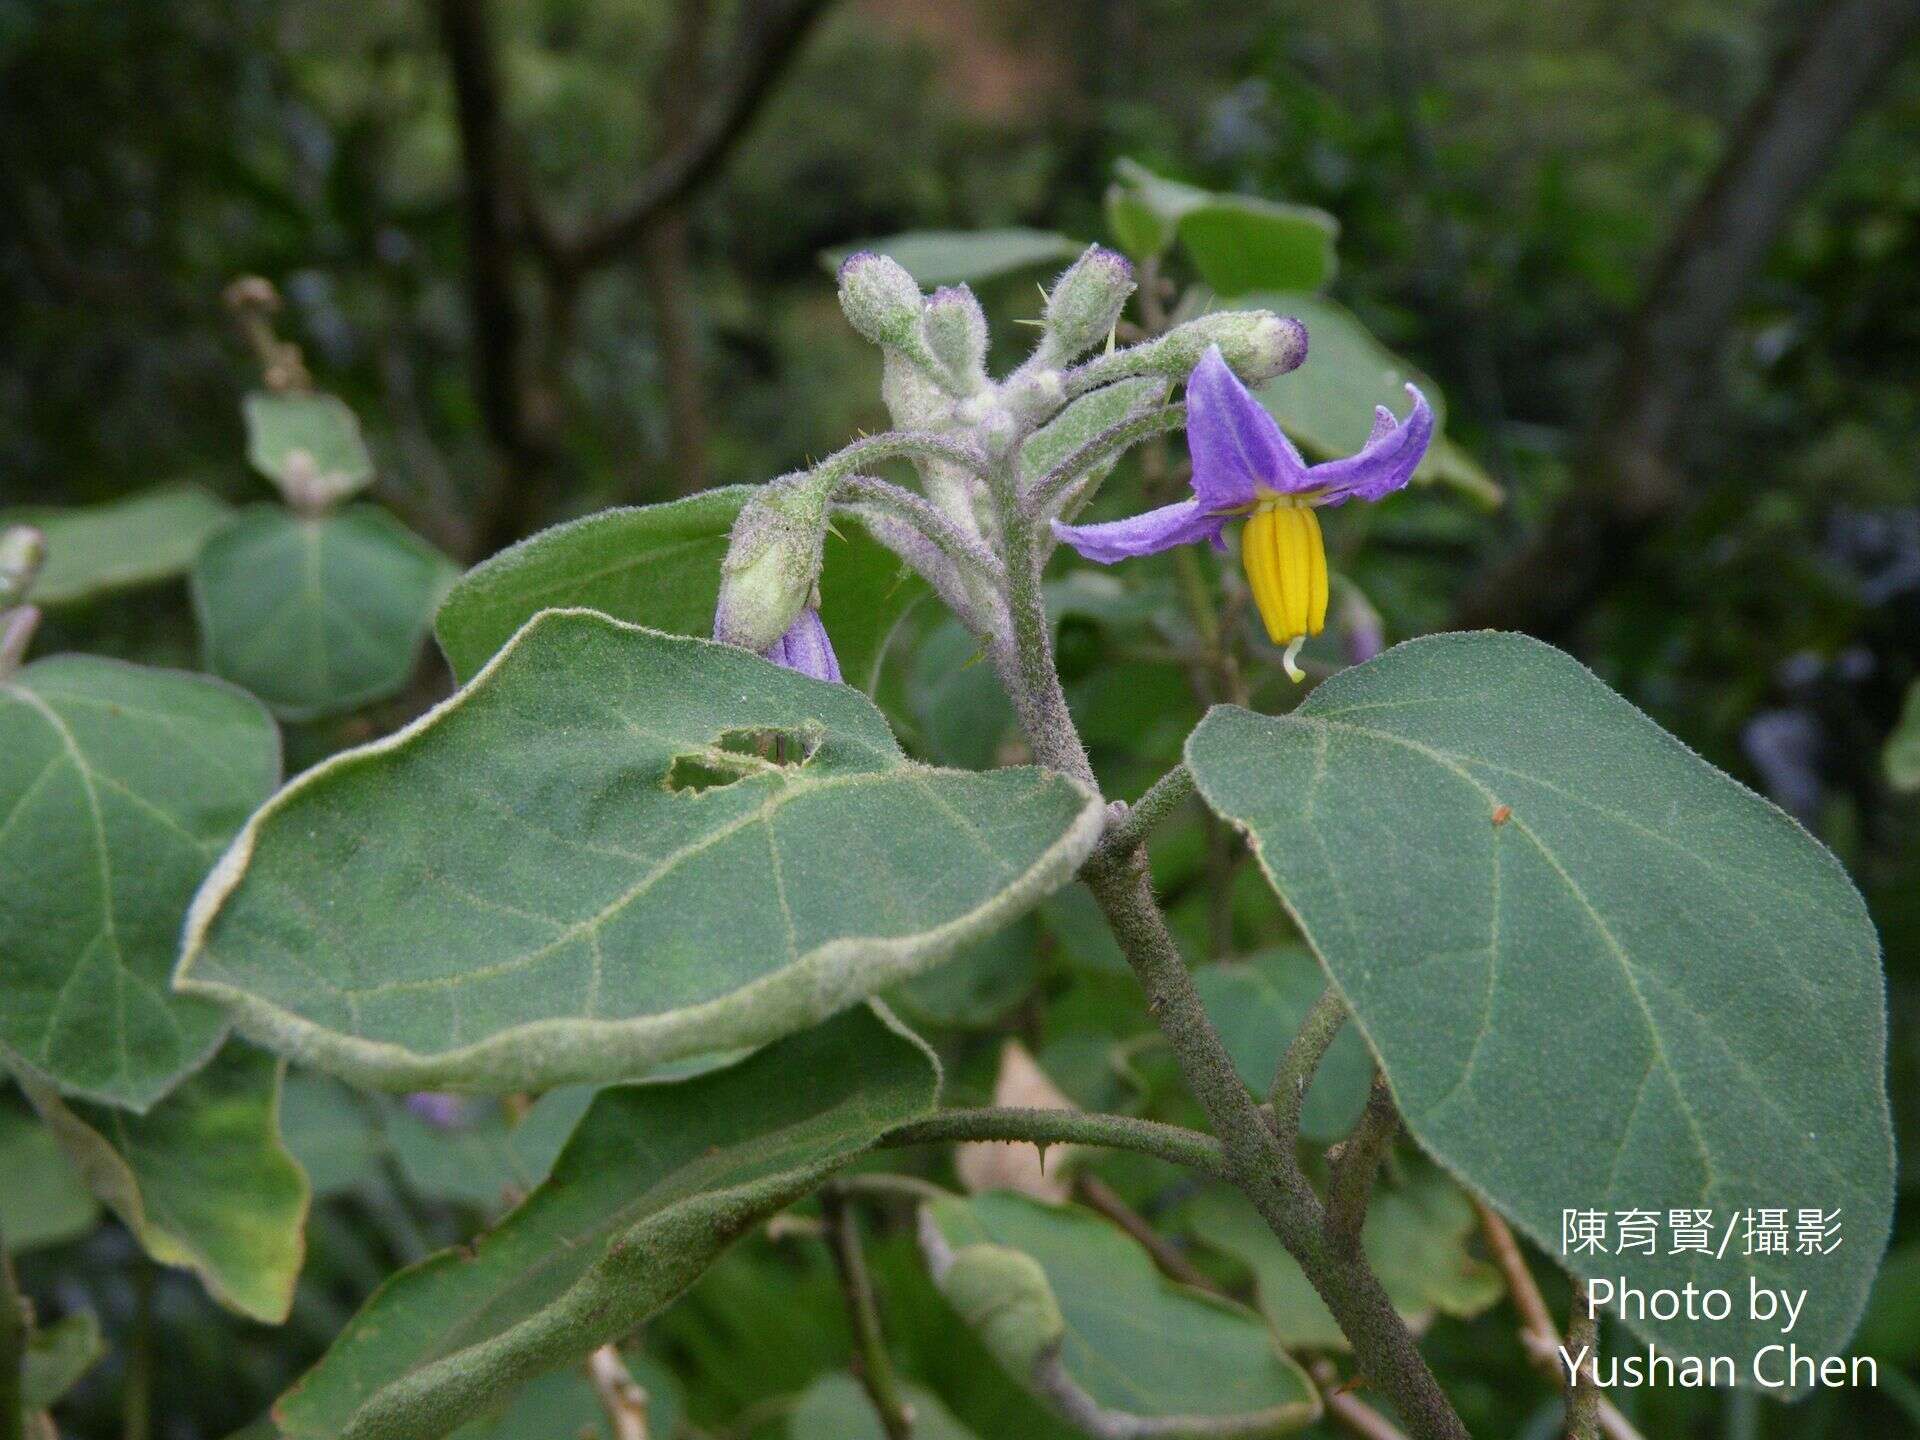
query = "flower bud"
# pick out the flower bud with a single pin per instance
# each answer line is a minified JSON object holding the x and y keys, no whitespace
{"x":1086,"y":301}
{"x":805,"y":647}
{"x":772,"y":563}
{"x":956,"y":333}
{"x":23,"y":550}
{"x":1256,"y":344}
{"x":882,"y":301}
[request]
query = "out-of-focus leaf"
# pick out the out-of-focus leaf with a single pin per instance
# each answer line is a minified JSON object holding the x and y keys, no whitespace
{"x":659,"y":566}
{"x":331,"y":1131}
{"x":1902,"y":754}
{"x":835,"y":1407}
{"x":57,"y":1356}
{"x":309,"y":445}
{"x":679,"y":892}
{"x":1415,"y":1237}
{"x":118,"y":787}
{"x":202,"y":1180}
{"x":563,"y":1405}
{"x":42,"y":1198}
{"x":1074,"y":1309}
{"x":1327,"y":405}
{"x":656,"y":1182}
{"x":1257,"y":1005}
{"x":99,"y":549}
{"x":1241,"y":243}
{"x":978,"y":985}
{"x":1597,"y":972}
{"x":316,"y":614}
{"x":963,"y":257}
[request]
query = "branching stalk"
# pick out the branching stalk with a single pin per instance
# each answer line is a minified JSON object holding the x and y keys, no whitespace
{"x":1172,"y":1143}
{"x":1302,"y":1062}
{"x":1163,"y":798}
{"x":872,"y":1362}
{"x":927,"y":518}
{"x":1047,"y":491}
{"x":1355,"y":1168}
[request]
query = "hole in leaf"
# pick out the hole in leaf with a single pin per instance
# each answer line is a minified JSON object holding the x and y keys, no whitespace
{"x":738,"y":755}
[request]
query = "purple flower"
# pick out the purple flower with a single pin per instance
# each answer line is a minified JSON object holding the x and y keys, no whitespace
{"x":805,"y":648}
{"x":1244,"y":466}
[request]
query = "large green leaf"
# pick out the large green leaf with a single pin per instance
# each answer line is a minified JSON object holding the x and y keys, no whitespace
{"x":151,"y":536}
{"x":1416,"y":1238}
{"x":1241,"y":243}
{"x":1598,"y":973}
{"x":656,"y":1182}
{"x":202,"y":1179}
{"x":307,"y":444}
{"x":659,"y":566}
{"x":1074,"y":1308}
{"x":316,"y":614}
{"x":42,"y":1199}
{"x":118,"y":788}
{"x":956,"y":257}
{"x":836,"y":1407}
{"x":1327,"y":405}
{"x":1257,"y":1005}
{"x":580,"y":867}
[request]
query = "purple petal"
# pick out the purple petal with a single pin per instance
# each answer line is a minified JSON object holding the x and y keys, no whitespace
{"x":805,"y":648}
{"x":1236,"y":445}
{"x":1177,"y":524}
{"x":1385,"y":464}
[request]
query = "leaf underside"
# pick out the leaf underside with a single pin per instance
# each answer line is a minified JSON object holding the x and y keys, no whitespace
{"x":657,"y":1181}
{"x":613,"y":849}
{"x":119,"y":787}
{"x":1598,"y":973}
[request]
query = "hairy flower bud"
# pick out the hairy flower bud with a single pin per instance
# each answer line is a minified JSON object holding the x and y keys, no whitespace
{"x":1085,"y":302}
{"x":882,"y":301}
{"x":23,"y":550}
{"x":1256,"y":344}
{"x":772,"y":562}
{"x":956,"y":333}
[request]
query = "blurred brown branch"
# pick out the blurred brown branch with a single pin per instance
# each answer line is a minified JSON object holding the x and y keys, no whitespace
{"x":1629,"y":479}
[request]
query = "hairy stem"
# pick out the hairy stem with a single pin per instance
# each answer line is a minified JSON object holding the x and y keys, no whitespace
{"x":1583,"y":1388}
{"x":924,"y":516}
{"x":874,"y":1365}
{"x":1163,"y":797}
{"x":1302,"y":1061}
{"x":1172,"y":1143}
{"x":1047,"y":491}
{"x":1355,"y":1168}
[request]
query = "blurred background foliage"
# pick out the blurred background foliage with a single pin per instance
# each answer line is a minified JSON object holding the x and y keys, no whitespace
{"x":1506,"y":176}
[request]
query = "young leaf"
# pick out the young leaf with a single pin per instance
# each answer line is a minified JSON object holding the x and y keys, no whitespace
{"x":1074,"y":1309}
{"x":657,"y":1182}
{"x":202,"y":1179}
{"x":1416,"y":1238}
{"x":316,"y":614}
{"x":659,"y":566}
{"x":1257,"y":1005}
{"x":1240,"y":243}
{"x":118,"y":788}
{"x":308,"y":445}
{"x":964,"y":257}
{"x":1598,"y":973}
{"x":99,"y":549}
{"x":612,"y":849}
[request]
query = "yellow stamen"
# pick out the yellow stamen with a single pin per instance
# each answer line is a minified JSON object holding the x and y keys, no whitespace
{"x":1286,"y":564}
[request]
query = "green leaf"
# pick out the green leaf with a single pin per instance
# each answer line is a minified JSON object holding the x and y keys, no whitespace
{"x":1902,"y":755}
{"x":316,"y":614}
{"x":1598,"y":973}
{"x":964,"y":257}
{"x":1074,"y":1309}
{"x":1257,"y":1005}
{"x":42,"y":1199}
{"x":835,"y":1407}
{"x":1137,"y":228}
{"x":1327,"y":405}
{"x":118,"y":788}
{"x":57,"y":1356}
{"x":308,"y":445}
{"x":201,"y":1180}
{"x":659,"y":566}
{"x":1165,"y":199}
{"x":1240,"y":243}
{"x":581,"y":867}
{"x":331,"y":1130}
{"x":563,"y":1405}
{"x":144,"y":538}
{"x":978,"y":985}
{"x":1416,"y":1238}
{"x":618,"y":1231}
